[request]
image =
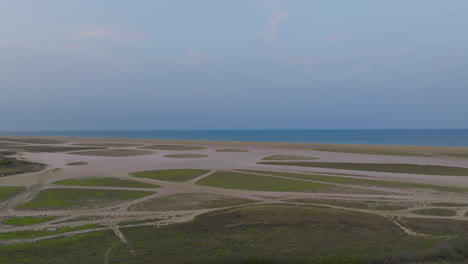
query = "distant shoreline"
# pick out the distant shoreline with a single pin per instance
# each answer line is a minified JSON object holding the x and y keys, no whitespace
{"x":429,"y":138}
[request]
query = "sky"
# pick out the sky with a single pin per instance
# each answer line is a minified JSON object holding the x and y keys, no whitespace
{"x":244,"y":64}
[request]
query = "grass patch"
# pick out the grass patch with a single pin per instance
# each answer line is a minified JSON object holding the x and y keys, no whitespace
{"x":114,"y":153}
{"x":381,"y":167}
{"x":232,"y":150}
{"x":355,"y":181}
{"x":141,"y":221}
{"x":173,"y":147}
{"x":285,"y":234}
{"x":443,"y":204}
{"x":440,"y":227}
{"x":28,"y":220}
{"x":454,"y":154}
{"x":39,"y":233}
{"x":82,"y":248}
{"x":288,"y":157}
{"x":76,"y":219}
{"x":188,"y":201}
{"x":12,"y":166}
{"x":79,"y":163}
{"x":435,"y":212}
{"x":111,"y":182}
{"x":53,"y":199}
{"x":370,"y":205}
{"x":372,"y":150}
{"x":177,"y":175}
{"x":244,"y":181}
{"x":186,"y":156}
{"x":9,"y":192}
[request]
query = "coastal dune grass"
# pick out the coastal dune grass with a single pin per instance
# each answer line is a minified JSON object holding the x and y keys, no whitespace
{"x":174,"y":175}
{"x":111,"y":182}
{"x":39,"y":233}
{"x":435,"y":212}
{"x":232,"y":150}
{"x":9,"y":192}
{"x":186,"y":156}
{"x":288,"y":157}
{"x":67,"y":199}
{"x":381,"y":167}
{"x":375,"y":150}
{"x":245,"y":181}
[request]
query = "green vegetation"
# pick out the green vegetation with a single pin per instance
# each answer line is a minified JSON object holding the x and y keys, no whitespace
{"x":288,"y":157}
{"x":177,"y":175}
{"x":188,"y":201}
{"x":285,"y":234}
{"x":53,"y":199}
{"x":28,"y":220}
{"x":39,"y":233}
{"x":82,"y":248}
{"x":8,"y":192}
{"x":79,"y":163}
{"x":232,"y":150}
{"x":34,"y":140}
{"x":76,"y":219}
{"x":111,"y":182}
{"x":5,"y":162}
{"x":370,"y":205}
{"x":14,"y":166}
{"x":114,"y":153}
{"x":449,"y":204}
{"x":440,"y":227}
{"x":373,"y":150}
{"x":381,"y":167}
{"x":186,"y":156}
{"x":455,"y":154}
{"x":173,"y":147}
{"x":355,"y":181}
{"x":435,"y":212}
{"x":244,"y":181}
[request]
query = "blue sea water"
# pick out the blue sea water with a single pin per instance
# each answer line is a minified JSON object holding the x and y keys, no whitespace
{"x":421,"y":137}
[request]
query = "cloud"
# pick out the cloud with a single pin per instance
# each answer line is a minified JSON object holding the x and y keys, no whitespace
{"x":275,"y":22}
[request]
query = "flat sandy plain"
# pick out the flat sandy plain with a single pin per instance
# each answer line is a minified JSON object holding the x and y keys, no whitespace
{"x":131,"y":201}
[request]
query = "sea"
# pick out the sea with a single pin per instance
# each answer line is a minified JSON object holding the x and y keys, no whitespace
{"x":415,"y":137}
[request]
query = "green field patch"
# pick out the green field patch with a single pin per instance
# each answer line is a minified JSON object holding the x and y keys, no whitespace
{"x":28,"y":220}
{"x":356,"y":204}
{"x":454,"y":154}
{"x":9,"y":192}
{"x":186,"y":156}
{"x":107,"y":145}
{"x":439,"y":227}
{"x":356,"y":181}
{"x":245,"y":181}
{"x":435,"y":212}
{"x":373,"y":150}
{"x":78,"y":163}
{"x":34,"y":140}
{"x":82,"y":248}
{"x":39,"y":233}
{"x":173,"y":147}
{"x":114,"y":153}
{"x":175,"y":175}
{"x":188,"y":201}
{"x":232,"y":150}
{"x":381,"y":167}
{"x":12,"y":166}
{"x":66,"y":199}
{"x":284,"y":234}
{"x":76,"y":219}
{"x":445,"y":204}
{"x":111,"y":182}
{"x":288,"y":157}
{"x":141,"y":221}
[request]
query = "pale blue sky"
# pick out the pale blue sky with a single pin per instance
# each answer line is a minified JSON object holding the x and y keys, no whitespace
{"x":245,"y":64}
